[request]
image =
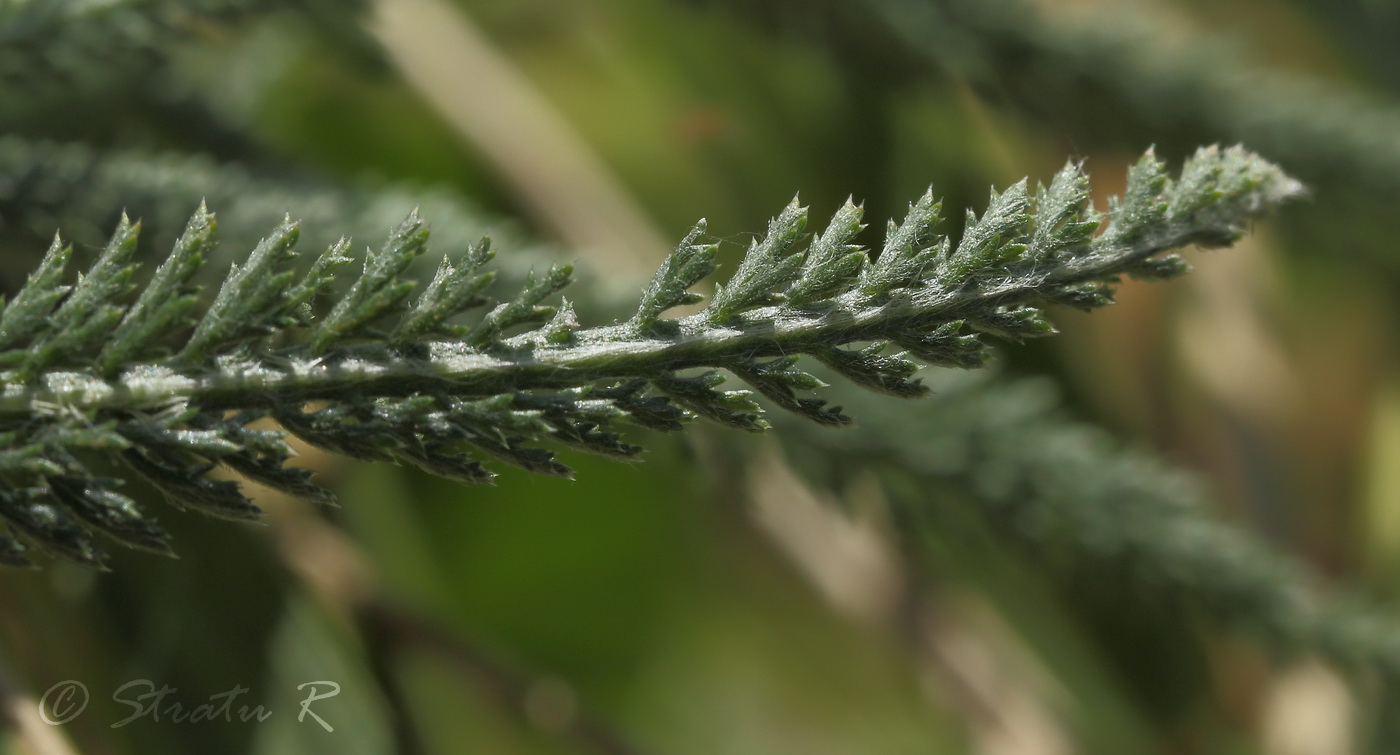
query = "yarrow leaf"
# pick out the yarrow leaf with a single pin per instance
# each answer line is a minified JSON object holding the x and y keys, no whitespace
{"x":94,"y":380}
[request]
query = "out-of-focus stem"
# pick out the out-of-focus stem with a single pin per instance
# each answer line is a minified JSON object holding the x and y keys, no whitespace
{"x":554,"y":172}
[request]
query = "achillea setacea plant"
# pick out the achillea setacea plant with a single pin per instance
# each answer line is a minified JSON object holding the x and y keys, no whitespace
{"x":104,"y":378}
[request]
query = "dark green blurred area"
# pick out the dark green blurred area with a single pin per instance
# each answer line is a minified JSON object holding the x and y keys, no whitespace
{"x":659,"y":602}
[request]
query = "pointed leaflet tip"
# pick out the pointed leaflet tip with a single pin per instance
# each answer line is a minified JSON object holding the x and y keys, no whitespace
{"x":909,"y":252}
{"x":690,"y":262}
{"x":252,"y":299}
{"x":765,"y":269}
{"x":161,"y":307}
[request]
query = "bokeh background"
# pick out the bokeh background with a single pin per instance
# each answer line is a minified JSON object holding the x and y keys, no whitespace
{"x":733,"y":593}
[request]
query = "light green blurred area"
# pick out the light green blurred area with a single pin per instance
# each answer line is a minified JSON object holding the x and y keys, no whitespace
{"x":648,"y":600}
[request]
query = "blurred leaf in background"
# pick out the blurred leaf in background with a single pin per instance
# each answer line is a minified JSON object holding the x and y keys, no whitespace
{"x":931,"y":581}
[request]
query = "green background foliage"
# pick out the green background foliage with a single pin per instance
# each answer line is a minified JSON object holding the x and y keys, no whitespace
{"x":1171,"y":529}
